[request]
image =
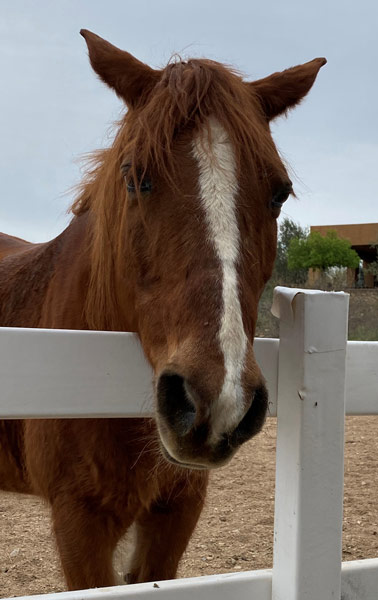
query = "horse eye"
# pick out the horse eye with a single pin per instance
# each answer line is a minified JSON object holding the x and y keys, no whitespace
{"x":143,"y":186}
{"x":281,"y":196}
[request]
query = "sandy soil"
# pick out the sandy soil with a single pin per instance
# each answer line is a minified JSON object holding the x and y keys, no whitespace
{"x":236,"y":528}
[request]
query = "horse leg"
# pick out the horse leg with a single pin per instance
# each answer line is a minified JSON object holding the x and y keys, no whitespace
{"x":163,"y":531}
{"x":86,"y":539}
{"x":12,"y":464}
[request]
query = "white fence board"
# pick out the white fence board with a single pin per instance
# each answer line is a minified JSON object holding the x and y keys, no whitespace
{"x":362,"y":379}
{"x":266,"y":352}
{"x":359,"y":581}
{"x":63,"y":373}
{"x":238,"y":586}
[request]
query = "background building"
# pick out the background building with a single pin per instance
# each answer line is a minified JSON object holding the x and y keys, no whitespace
{"x":362,"y":237}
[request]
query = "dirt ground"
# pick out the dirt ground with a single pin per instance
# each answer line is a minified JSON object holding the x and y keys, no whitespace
{"x":235,"y":530}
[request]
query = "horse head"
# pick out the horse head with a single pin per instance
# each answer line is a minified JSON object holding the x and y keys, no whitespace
{"x":199,"y":187}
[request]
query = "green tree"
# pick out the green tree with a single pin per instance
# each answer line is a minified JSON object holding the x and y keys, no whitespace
{"x":288,"y":230}
{"x":321,"y":252}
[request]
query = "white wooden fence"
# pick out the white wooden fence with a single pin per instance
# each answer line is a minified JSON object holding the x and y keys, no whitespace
{"x":317,"y":378}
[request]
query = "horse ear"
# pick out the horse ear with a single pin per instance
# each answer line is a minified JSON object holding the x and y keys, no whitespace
{"x":130,"y":78}
{"x":281,"y":91}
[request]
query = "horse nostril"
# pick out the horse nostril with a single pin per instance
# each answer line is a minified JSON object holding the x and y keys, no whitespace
{"x":175,"y":403}
{"x":253,"y":420}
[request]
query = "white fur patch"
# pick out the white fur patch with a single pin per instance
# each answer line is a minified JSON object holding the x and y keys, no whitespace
{"x":218,"y":189}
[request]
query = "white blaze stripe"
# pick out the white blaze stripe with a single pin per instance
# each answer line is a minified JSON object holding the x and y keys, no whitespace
{"x":218,"y":187}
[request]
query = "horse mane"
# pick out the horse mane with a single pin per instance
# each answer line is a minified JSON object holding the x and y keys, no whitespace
{"x":187,"y":94}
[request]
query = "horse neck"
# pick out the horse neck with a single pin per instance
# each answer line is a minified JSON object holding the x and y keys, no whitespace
{"x":68,"y":259}
{"x":40,"y":283}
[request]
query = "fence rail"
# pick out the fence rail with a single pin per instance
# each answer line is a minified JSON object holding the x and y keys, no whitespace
{"x":359,"y":581}
{"x":47,"y":373}
{"x":316,"y":376}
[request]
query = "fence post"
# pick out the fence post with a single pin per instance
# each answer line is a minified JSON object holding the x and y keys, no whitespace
{"x":310,"y":444}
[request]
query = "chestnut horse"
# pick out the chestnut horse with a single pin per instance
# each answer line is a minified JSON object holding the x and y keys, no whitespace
{"x":173,"y":236}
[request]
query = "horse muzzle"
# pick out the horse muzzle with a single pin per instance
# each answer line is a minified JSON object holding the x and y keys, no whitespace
{"x":186,"y":425}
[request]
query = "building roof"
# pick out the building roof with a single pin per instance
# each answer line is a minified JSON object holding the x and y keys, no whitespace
{"x":360,"y":234}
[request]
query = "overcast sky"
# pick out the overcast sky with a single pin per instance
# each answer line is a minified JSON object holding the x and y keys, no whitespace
{"x":53,"y":108}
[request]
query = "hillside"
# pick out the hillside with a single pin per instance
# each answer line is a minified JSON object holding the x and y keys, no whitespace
{"x":363,"y":315}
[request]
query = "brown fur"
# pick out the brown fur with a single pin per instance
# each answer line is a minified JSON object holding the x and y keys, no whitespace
{"x":133,"y":262}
